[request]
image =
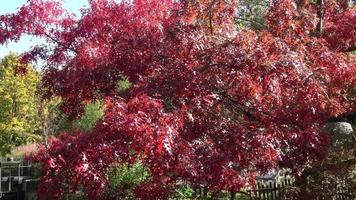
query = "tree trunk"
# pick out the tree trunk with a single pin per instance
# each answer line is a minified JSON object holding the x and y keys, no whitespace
{"x":320,"y":13}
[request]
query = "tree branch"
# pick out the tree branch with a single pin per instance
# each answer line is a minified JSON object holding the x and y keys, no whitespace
{"x":350,"y":162}
{"x":350,"y":49}
{"x":320,"y":13}
{"x":59,"y":43}
{"x":211,"y":16}
{"x":250,"y":21}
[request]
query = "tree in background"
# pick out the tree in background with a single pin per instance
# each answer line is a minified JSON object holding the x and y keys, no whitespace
{"x":250,"y":14}
{"x":19,"y":120}
{"x":92,"y":113}
{"x":24,"y":117}
{"x":209,"y":105}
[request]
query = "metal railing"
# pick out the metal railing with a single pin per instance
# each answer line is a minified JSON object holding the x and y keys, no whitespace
{"x":12,"y":175}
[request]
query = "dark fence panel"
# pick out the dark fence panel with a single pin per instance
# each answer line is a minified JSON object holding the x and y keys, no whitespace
{"x":271,"y":190}
{"x":15,"y":179}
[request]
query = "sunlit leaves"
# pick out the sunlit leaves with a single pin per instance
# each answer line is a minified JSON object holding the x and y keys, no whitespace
{"x":200,"y":100}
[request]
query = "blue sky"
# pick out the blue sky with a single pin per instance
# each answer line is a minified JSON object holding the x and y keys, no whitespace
{"x":26,"y":42}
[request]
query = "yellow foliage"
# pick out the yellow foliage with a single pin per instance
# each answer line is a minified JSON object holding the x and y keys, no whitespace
{"x":19,"y":104}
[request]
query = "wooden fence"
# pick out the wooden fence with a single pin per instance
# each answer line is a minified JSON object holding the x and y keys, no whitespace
{"x":271,"y":190}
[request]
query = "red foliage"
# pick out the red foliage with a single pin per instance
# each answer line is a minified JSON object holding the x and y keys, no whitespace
{"x":209,"y":105}
{"x":340,"y":30}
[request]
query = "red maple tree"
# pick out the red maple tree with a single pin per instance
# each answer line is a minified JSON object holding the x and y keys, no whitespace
{"x":211,"y":105}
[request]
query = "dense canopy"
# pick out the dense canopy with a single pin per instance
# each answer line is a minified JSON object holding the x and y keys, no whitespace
{"x":211,"y":103}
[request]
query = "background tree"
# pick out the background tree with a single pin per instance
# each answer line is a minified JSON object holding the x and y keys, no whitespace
{"x":19,"y":121}
{"x":250,"y":14}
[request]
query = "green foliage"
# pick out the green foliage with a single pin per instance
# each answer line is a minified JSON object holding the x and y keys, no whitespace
{"x":56,"y":121}
{"x":93,"y":112}
{"x":185,"y":192}
{"x":123,"y":178}
{"x":19,"y":120}
{"x":123,"y":85}
{"x":251,"y":14}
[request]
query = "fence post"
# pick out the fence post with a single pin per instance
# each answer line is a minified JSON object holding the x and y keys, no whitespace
{"x":259,"y":190}
{"x":263,"y":191}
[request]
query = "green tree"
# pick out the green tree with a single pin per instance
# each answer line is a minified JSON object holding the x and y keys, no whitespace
{"x":19,"y":120}
{"x":251,"y":13}
{"x":93,"y":112}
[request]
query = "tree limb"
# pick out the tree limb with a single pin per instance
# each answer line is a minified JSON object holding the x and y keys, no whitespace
{"x":350,"y":49}
{"x":320,"y":13}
